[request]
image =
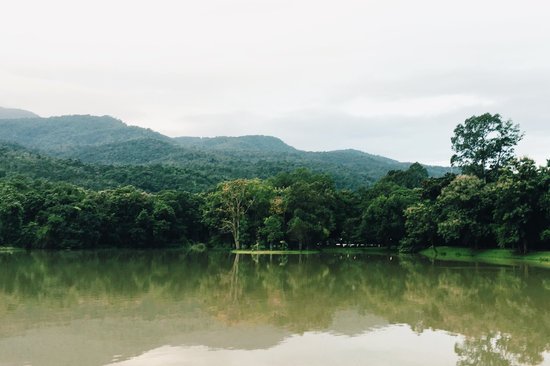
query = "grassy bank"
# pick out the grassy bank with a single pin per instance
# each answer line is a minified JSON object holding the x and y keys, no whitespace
{"x":382,"y":251}
{"x":10,"y":250}
{"x":361,"y":250}
{"x":497,"y":256}
{"x":275,"y":252}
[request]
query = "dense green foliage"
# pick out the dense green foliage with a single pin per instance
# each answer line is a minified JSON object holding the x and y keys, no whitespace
{"x":61,"y":135}
{"x":54,"y":203}
{"x":298,"y":210}
{"x":16,"y":161}
{"x":39,"y":214}
{"x":200,"y":172}
{"x":510,"y":212}
{"x":484,"y":143}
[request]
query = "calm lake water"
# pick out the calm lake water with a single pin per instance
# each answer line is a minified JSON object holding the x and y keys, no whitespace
{"x":172,"y":308}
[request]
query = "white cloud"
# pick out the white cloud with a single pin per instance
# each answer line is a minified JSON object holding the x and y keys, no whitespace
{"x":321,"y":74}
{"x":413,"y":106}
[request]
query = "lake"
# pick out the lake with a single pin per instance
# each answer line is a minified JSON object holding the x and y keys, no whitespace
{"x":174,"y":308}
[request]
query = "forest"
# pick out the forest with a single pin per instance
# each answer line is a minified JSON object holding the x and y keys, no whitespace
{"x":103,"y":152}
{"x":497,"y":200}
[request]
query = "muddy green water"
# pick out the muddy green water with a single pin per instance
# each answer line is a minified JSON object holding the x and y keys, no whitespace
{"x":172,"y":308}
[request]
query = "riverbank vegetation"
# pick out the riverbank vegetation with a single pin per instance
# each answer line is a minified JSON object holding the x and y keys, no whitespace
{"x":497,"y":201}
{"x":496,"y":256}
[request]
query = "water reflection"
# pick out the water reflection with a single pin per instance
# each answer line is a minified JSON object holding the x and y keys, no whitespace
{"x":378,"y":347}
{"x":97,"y":308}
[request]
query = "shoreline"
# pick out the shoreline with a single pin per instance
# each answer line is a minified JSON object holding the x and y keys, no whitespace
{"x":443,"y":253}
{"x":491,"y":256}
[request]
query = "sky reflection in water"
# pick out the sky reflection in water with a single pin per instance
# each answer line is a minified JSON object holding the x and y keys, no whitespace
{"x":172,"y":308}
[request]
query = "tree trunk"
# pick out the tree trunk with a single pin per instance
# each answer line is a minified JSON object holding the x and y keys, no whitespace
{"x":237,"y":242}
{"x":233,"y":288}
{"x":236,"y":235}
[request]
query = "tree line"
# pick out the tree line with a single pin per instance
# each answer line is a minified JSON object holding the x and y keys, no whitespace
{"x":496,"y":201}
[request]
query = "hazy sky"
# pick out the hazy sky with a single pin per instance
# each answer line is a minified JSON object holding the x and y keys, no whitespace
{"x":386,"y":77}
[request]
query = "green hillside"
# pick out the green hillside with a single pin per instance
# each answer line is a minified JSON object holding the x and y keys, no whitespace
{"x":202,"y":161}
{"x":347,"y":171}
{"x":16,"y":161}
{"x":253,"y":143}
{"x":58,"y":135}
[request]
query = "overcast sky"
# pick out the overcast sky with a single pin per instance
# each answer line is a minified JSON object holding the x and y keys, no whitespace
{"x":386,"y":77}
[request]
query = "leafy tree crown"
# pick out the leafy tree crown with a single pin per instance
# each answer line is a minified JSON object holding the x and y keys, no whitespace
{"x":484,"y":143}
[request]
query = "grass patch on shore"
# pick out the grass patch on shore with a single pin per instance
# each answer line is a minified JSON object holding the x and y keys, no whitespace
{"x":360,"y":250}
{"x":274,"y":252}
{"x":338,"y":250}
{"x":497,"y":256}
{"x":10,"y":250}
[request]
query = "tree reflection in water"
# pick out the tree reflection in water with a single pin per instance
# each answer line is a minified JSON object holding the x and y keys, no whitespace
{"x":501,"y":313}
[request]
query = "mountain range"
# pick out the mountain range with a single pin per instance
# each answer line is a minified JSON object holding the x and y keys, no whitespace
{"x":103,"y":143}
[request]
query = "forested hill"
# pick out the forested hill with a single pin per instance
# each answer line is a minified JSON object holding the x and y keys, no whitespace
{"x":108,"y":141}
{"x":59,"y":135}
{"x":14,"y":113}
{"x":253,"y":143}
{"x":19,"y":162}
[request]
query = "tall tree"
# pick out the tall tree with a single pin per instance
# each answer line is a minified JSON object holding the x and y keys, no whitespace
{"x":484,"y":143}
{"x":231,"y":201}
{"x":420,"y":226}
{"x":519,"y":207}
{"x":310,"y":201}
{"x":464,"y":212}
{"x":410,"y":178}
{"x":383,"y":222}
